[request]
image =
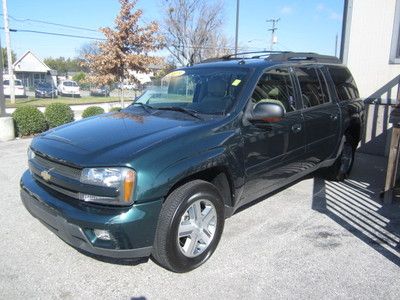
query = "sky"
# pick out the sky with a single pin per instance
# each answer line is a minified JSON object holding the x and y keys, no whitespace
{"x":305,"y":25}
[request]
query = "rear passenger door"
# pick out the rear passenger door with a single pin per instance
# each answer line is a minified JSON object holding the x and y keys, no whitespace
{"x":321,"y":114}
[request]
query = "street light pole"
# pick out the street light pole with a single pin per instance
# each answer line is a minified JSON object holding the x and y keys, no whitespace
{"x":9,"y":57}
{"x":237,"y":27}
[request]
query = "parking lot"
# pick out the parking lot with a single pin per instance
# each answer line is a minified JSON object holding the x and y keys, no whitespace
{"x":315,"y":239}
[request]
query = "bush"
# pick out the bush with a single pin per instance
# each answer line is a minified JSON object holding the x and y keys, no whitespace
{"x":29,"y":120}
{"x":57,"y":114}
{"x":92,"y":111}
{"x":116,"y":108}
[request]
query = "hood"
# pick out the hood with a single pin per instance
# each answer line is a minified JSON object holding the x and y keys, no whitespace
{"x":109,"y":139}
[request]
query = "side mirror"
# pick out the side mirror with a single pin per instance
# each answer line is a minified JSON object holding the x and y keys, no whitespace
{"x":267,"y":112}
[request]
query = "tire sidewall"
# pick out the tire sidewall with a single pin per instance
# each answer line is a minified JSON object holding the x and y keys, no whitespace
{"x":340,"y":175}
{"x":181,"y":262}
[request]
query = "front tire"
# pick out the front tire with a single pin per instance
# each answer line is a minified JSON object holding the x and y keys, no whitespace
{"x":189,"y":227}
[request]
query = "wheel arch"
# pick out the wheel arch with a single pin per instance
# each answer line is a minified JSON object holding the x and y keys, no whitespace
{"x":354,"y":130}
{"x":220,"y":176}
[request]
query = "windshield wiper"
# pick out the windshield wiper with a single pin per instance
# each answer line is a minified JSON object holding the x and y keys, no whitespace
{"x":146,"y":107}
{"x":187,"y":111}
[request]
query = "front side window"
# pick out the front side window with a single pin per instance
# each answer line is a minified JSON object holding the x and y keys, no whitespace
{"x":312,"y":86}
{"x":345,"y":85}
{"x":203,"y":90}
{"x":275,"y":86}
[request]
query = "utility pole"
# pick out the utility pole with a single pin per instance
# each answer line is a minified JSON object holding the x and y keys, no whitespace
{"x":237,"y":27}
{"x":2,"y":100}
{"x":9,"y":57}
{"x":273,"y":29}
{"x":7,"y":131}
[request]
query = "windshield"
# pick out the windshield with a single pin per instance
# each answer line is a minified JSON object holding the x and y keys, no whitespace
{"x":70,"y":83}
{"x":205,"y":91}
{"x":16,"y":82}
{"x":44,"y":85}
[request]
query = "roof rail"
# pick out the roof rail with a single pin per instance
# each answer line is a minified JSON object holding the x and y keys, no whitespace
{"x":278,"y":56}
{"x":301,"y":56}
{"x":260,"y":53}
{"x":242,"y":55}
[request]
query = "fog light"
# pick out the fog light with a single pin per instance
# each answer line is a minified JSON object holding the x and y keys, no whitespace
{"x":102,"y":234}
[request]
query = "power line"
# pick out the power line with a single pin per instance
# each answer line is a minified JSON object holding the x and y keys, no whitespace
{"x":56,"y":34}
{"x":103,"y":39}
{"x":51,"y":23}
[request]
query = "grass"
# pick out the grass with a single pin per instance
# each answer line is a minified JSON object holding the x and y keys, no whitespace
{"x":67,"y":100}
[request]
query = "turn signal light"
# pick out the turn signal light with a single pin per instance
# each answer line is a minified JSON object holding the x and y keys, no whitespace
{"x":129,"y":183}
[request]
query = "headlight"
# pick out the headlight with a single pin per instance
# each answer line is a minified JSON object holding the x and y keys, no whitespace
{"x":31,"y":154}
{"x":122,"y":179}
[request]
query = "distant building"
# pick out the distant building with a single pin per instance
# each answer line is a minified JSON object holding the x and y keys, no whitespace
{"x":31,"y":70}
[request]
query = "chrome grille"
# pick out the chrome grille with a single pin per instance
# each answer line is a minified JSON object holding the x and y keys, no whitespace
{"x":58,"y":168}
{"x":65,"y":179}
{"x":69,"y":180}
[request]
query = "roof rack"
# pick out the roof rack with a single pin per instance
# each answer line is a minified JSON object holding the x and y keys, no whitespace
{"x":301,"y":56}
{"x":242,"y":55}
{"x":277,"y":56}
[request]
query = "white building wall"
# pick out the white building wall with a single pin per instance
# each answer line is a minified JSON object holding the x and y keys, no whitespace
{"x":367,"y":50}
{"x":369,"y":44}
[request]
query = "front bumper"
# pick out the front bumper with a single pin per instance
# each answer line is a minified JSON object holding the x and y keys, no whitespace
{"x":132,"y":229}
{"x":46,"y":94}
{"x":70,"y":93}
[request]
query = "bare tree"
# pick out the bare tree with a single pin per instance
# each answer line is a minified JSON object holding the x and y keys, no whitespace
{"x":91,"y":48}
{"x":126,"y":48}
{"x":193,"y":30}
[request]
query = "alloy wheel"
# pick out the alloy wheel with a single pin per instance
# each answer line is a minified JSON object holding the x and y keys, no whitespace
{"x":197,"y":228}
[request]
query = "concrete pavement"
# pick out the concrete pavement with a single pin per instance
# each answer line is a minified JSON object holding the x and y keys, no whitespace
{"x":315,"y":239}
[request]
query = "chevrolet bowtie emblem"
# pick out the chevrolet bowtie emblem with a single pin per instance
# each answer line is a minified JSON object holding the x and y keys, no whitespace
{"x":45,"y":175}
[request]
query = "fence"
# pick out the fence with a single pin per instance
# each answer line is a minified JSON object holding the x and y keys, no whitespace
{"x":377,"y":132}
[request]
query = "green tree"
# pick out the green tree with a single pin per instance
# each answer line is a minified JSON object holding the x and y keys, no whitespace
{"x":4,"y":53}
{"x":79,"y":77}
{"x":63,"y":65}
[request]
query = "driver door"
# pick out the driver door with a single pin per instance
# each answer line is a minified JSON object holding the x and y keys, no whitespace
{"x":273,"y":152}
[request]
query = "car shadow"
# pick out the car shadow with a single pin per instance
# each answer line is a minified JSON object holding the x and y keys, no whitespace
{"x":115,"y":261}
{"x":355,"y":204}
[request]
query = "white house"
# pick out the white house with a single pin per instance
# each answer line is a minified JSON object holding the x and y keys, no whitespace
{"x":31,"y":70}
{"x":371,"y":50}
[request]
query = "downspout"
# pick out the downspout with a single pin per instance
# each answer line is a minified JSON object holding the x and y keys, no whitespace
{"x":346,"y":26}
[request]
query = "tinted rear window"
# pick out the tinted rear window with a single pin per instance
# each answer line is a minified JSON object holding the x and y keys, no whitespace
{"x":70,"y":83}
{"x":313,"y":88}
{"x":345,"y":85}
{"x":16,"y":82}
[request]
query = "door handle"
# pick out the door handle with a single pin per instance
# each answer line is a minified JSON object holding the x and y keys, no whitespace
{"x":296,"y":128}
{"x":333,"y":117}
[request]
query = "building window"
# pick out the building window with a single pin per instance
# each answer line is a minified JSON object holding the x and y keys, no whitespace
{"x":395,"y":47}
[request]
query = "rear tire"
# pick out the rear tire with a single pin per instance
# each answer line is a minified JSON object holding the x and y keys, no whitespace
{"x":343,"y":165}
{"x":189,"y":227}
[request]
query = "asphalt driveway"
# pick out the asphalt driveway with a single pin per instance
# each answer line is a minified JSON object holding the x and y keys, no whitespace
{"x":315,"y":239}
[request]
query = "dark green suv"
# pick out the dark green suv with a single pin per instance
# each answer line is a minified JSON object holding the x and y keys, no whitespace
{"x":160,"y":177}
